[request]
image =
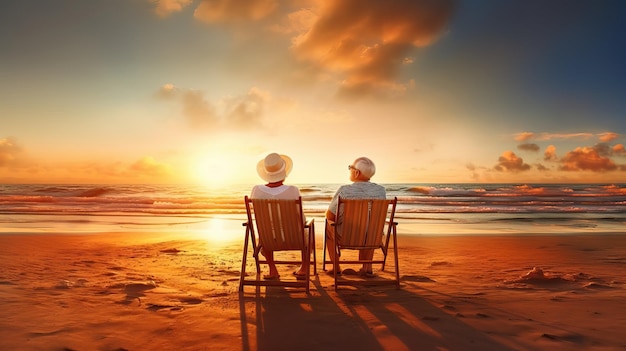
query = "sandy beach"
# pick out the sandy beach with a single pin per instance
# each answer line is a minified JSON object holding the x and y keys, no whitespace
{"x":170,"y":291}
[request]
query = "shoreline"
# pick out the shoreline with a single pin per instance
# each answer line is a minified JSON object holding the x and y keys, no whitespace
{"x":230,"y":225}
{"x":169,"y":290}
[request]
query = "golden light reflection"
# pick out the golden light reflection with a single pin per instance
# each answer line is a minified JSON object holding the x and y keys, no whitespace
{"x":412,"y":320}
{"x":221,"y":231}
{"x":385,"y":337}
{"x":213,"y":170}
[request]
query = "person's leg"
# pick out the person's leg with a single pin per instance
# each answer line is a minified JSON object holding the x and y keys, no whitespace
{"x":269,"y":256}
{"x":330,"y":244}
{"x":301,"y":272}
{"x":366,"y":255}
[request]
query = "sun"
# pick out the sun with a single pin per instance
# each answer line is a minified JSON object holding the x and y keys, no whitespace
{"x":214,"y":170}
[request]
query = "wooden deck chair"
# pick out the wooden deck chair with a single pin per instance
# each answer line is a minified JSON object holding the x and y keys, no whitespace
{"x":279,"y":226}
{"x":363,"y":227}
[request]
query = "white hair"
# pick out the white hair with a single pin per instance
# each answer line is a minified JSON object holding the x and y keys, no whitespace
{"x":365,"y":166}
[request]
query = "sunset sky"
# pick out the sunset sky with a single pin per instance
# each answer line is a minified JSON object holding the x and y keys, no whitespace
{"x":197,"y":91}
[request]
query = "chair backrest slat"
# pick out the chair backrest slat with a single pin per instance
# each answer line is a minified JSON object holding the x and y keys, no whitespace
{"x":363,"y":222}
{"x":279,"y":223}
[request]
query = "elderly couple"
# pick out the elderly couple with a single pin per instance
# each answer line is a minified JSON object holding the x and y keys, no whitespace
{"x":275,"y":168}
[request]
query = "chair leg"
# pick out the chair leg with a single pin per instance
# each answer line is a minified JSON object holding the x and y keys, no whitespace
{"x":335,"y":263}
{"x":385,"y":251}
{"x":255,"y":250}
{"x":243,"y":262}
{"x":311,"y":242}
{"x":324,"y":245}
{"x":308,"y":274}
{"x":395,"y":255}
{"x":386,"y":247}
{"x":312,"y":248}
{"x":306,"y":264}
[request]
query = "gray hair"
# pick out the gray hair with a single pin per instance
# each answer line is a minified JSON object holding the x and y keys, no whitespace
{"x":365,"y":166}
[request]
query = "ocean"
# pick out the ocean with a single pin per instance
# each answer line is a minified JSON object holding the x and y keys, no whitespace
{"x":423,"y":209}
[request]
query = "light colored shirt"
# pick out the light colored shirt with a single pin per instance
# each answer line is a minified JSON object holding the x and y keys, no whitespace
{"x":286,"y":192}
{"x":356,"y":190}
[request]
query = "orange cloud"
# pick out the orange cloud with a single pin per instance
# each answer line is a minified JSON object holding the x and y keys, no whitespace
{"x":220,"y":11}
{"x":367,"y":41}
{"x":296,"y":22}
{"x":608,"y":136}
{"x":603,"y":137}
{"x":550,"y":153}
{"x":510,"y":162}
{"x":619,"y":150}
{"x":523,"y":136}
{"x":9,"y":151}
{"x":587,"y":158}
{"x":166,"y":7}
{"x":550,"y":136}
{"x":528,"y":147}
{"x":603,"y":149}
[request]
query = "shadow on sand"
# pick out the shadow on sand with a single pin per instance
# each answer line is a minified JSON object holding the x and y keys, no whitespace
{"x":367,"y":318}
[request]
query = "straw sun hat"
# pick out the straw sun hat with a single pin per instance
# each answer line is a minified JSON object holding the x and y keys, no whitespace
{"x":274,"y":167}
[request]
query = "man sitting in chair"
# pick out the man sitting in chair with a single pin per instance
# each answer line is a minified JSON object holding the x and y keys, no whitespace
{"x":274,"y":168}
{"x":361,"y":171}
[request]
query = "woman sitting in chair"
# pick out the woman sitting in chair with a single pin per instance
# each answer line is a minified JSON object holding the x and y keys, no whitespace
{"x":274,"y":168}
